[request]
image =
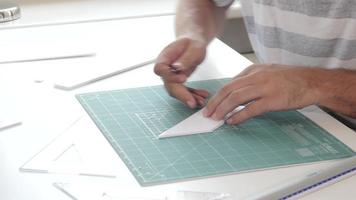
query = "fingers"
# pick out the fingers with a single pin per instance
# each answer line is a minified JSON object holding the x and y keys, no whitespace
{"x":200,"y":92}
{"x":179,"y":59}
{"x":181,"y":93}
{"x":253,"y":109}
{"x":175,"y":64}
{"x":190,"y":59}
{"x":199,"y":99}
{"x":200,"y":95}
{"x":264,"y":88}
{"x":173,"y":51}
{"x":184,"y":94}
{"x":168,"y":56}
{"x":223,"y":93}
{"x":235,"y":99}
{"x":168,"y":75}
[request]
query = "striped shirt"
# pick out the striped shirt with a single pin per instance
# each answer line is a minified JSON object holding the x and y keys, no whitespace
{"x":311,"y":33}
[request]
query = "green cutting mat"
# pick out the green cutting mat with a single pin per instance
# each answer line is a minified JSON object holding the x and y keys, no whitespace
{"x":131,"y":120}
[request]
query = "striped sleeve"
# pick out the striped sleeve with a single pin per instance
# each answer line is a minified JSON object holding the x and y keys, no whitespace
{"x":310,"y":33}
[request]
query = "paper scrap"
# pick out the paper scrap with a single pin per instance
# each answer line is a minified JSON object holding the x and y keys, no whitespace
{"x":8,"y":123}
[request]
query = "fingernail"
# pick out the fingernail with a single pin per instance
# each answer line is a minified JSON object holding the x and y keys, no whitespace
{"x":229,"y":121}
{"x":177,"y":65}
{"x":191,"y":104}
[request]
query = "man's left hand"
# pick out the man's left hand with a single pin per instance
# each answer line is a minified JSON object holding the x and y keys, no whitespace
{"x":264,"y":88}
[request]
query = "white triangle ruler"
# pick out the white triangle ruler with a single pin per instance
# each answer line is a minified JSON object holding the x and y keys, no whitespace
{"x":72,"y":152}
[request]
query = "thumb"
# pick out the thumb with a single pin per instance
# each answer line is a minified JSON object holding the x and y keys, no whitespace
{"x":182,"y":93}
{"x":190,"y":58}
{"x":173,"y":51}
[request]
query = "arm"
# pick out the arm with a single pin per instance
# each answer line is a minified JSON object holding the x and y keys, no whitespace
{"x":199,"y":20}
{"x":337,"y":89}
{"x":197,"y":23}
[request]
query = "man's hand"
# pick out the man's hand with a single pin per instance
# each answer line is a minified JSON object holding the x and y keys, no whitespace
{"x":197,"y":23}
{"x":176,"y":63}
{"x":265,"y":88}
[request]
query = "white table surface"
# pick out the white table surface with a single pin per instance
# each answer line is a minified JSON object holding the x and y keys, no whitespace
{"x":46,"y":111}
{"x":39,"y":12}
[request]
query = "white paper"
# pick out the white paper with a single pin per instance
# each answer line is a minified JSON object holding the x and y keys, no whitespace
{"x":194,"y":124}
{"x":194,"y":195}
{"x":84,"y":72}
{"x":9,"y":115}
{"x":6,"y":123}
{"x":80,"y":191}
{"x":115,"y":54}
{"x":85,"y":191}
{"x":43,"y":51}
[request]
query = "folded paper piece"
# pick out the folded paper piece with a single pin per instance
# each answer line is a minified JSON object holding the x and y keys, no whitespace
{"x":195,"y":124}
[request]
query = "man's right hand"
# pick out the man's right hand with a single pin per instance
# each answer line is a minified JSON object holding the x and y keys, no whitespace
{"x":176,"y":63}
